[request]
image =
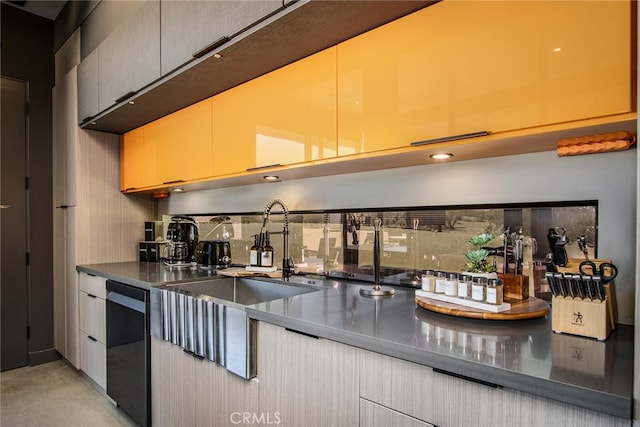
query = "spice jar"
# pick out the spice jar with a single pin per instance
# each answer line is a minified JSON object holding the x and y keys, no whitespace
{"x":428,"y":281}
{"x":440,"y":279}
{"x":464,"y":286}
{"x":451,"y":285}
{"x":494,"y":291}
{"x":478,"y":289}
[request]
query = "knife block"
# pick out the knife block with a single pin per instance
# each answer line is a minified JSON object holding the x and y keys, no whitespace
{"x":581,"y":317}
{"x":573,"y":267}
{"x":515,"y":287}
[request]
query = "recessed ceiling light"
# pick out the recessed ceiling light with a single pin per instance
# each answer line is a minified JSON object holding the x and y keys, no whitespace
{"x":441,"y":156}
{"x":178,"y":190}
{"x":557,"y":49}
{"x":271,"y":178}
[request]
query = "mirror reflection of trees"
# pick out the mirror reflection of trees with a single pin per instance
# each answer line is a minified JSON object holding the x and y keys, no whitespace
{"x":339,"y":243}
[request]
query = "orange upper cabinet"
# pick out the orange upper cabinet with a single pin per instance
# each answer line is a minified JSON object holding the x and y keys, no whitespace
{"x":135,"y":162}
{"x":465,"y":66}
{"x":284,"y":117}
{"x":182,"y":145}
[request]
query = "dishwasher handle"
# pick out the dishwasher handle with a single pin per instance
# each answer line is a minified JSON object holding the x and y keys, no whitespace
{"x":131,"y":303}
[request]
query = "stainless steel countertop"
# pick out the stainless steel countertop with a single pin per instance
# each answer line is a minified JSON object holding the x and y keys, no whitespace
{"x":523,"y":355}
{"x":145,"y":274}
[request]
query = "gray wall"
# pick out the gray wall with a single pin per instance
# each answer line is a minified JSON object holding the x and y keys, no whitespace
{"x":609,"y":178}
{"x":27,"y":54}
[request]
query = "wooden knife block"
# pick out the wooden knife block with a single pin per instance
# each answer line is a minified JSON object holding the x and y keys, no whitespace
{"x":515,"y":287}
{"x":573,"y":267}
{"x":581,"y":317}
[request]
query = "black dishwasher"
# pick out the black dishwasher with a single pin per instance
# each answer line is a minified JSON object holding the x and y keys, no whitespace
{"x":129,"y":350}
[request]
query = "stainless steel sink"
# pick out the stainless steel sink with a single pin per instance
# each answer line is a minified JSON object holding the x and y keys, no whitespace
{"x":242,"y":291}
{"x":208,"y":318}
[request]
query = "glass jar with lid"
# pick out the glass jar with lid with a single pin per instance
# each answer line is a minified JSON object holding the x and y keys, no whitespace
{"x":451,"y":285}
{"x":428,"y":281}
{"x":479,"y":289}
{"x":464,"y":286}
{"x":494,"y":294}
{"x":440,"y":279}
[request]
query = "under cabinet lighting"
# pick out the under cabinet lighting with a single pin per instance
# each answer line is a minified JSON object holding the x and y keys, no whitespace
{"x":132,"y":102}
{"x":271,"y":178}
{"x":217,"y":55}
{"x":441,"y":156}
{"x":178,"y":190}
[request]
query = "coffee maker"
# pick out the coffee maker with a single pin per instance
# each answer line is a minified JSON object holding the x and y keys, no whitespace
{"x":182,"y":235}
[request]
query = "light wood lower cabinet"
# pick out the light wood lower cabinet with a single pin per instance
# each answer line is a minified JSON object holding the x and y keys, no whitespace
{"x":374,"y":415}
{"x":443,"y":400}
{"x":92,"y":307}
{"x":306,"y":381}
{"x":188,"y":391}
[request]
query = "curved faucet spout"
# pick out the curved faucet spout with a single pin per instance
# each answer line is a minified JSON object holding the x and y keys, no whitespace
{"x":287,"y":263}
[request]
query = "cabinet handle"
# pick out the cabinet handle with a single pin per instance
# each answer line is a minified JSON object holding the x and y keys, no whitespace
{"x":450,"y":138}
{"x":463,"y":377}
{"x":65,"y":206}
{"x":202,"y":52}
{"x":177,"y":181}
{"x":302,"y":333}
{"x":91,"y":296}
{"x":263,"y":167}
{"x":86,"y":119}
{"x":130,"y":188}
{"x":125,"y":96}
{"x":92,"y":338}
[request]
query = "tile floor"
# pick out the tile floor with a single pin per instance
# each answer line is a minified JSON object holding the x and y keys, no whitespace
{"x":54,"y":394}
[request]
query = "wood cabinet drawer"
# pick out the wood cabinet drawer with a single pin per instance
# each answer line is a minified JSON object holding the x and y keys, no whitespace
{"x":93,"y":359}
{"x":374,"y":415}
{"x":94,"y":285}
{"x":92,"y":316}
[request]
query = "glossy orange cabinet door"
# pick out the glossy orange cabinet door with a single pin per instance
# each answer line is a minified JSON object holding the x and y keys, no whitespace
{"x":135,"y":162}
{"x":182,"y":144}
{"x":284,"y":117}
{"x":463,"y":66}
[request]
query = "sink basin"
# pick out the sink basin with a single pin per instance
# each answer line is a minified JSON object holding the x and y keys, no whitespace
{"x":242,"y":291}
{"x":208,"y":318}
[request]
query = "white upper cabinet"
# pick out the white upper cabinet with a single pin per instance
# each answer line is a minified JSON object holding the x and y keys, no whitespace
{"x":188,"y":27}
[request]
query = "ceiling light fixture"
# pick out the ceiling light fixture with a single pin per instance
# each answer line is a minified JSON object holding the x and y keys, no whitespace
{"x":441,"y":156}
{"x":217,"y":55}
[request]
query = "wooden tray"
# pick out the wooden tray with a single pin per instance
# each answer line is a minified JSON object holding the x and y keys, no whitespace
{"x":530,"y":308}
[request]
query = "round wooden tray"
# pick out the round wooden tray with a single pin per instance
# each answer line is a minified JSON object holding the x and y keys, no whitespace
{"x":530,"y":308}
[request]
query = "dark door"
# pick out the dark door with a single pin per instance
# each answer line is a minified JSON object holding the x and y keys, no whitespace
{"x":13,"y":224}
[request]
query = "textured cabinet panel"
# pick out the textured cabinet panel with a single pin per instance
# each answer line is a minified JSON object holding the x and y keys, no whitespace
{"x":374,"y":415}
{"x":305,"y":380}
{"x":92,"y":316}
{"x":286,"y":116}
{"x":207,"y":22}
{"x":94,"y":285}
{"x":190,"y":391}
{"x":461,"y":67}
{"x":64,"y":124}
{"x":130,"y":55}
{"x":89,"y":86}
{"x":444,"y":400}
{"x":93,"y":359}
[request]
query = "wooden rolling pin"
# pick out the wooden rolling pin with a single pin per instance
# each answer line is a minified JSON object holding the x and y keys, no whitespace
{"x":601,"y":143}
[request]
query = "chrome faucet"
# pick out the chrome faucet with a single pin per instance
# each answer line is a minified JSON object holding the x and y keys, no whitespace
{"x":287,"y":263}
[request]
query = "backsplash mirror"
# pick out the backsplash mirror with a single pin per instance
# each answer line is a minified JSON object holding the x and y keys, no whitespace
{"x":339,"y":243}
